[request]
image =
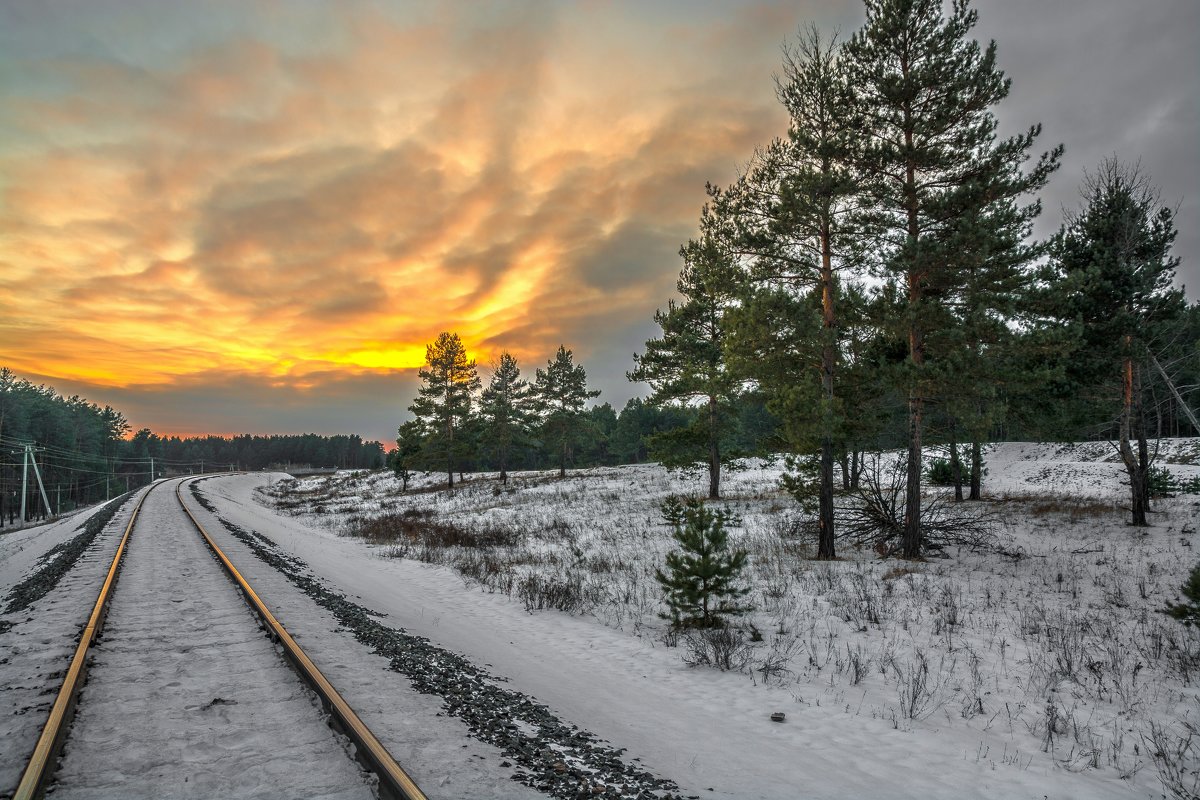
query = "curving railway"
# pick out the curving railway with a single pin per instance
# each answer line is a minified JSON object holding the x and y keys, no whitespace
{"x":175,"y":690}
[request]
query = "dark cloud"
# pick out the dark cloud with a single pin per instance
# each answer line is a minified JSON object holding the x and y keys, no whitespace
{"x":1107,"y":77}
{"x":633,"y":254}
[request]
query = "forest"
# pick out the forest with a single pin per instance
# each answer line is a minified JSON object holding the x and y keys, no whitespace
{"x":85,"y":454}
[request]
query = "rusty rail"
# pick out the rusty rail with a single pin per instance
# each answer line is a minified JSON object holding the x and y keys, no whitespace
{"x":394,"y":782}
{"x":40,"y":768}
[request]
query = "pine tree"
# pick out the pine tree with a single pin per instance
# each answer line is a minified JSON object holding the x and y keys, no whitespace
{"x":443,"y":404}
{"x":701,"y":583}
{"x":689,"y":363}
{"x":409,"y":444}
{"x":978,"y":348}
{"x":505,"y":411}
{"x":795,"y":221}
{"x":931,"y":168}
{"x":1112,"y":282}
{"x":1188,"y":612}
{"x":561,"y":392}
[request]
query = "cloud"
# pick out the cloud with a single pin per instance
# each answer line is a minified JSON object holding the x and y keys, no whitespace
{"x":217,"y":195}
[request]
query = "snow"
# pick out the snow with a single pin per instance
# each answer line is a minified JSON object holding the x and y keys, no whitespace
{"x":1000,"y":715}
{"x":185,"y":696}
{"x":35,"y":652}
{"x":608,"y":672}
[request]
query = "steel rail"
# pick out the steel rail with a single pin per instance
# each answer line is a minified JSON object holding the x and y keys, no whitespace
{"x":394,"y":782}
{"x":49,"y":744}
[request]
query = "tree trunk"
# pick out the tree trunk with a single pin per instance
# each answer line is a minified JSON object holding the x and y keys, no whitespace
{"x":450,"y":452}
{"x":714,"y":452}
{"x":845,"y":463}
{"x":976,"y":470}
{"x":912,"y":496}
{"x":825,"y":541}
{"x":916,"y":350}
{"x":956,"y":465}
{"x":1143,"y":452}
{"x":1133,"y":466}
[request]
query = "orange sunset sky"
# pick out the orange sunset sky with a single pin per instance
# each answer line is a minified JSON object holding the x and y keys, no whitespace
{"x":252,"y":216}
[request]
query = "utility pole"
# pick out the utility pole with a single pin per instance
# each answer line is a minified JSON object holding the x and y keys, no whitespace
{"x":41,"y":486}
{"x":58,"y":499}
{"x":24,"y":481}
{"x":27,"y":459}
{"x":152,"y":469}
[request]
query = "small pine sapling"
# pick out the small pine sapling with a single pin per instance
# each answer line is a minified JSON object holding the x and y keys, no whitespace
{"x":1188,"y":612}
{"x":701,"y":582}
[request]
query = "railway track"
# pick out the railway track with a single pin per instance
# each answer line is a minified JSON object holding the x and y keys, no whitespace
{"x":178,"y":618}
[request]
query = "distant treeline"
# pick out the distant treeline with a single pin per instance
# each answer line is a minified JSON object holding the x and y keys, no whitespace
{"x":640,"y":433}
{"x":83,"y":456}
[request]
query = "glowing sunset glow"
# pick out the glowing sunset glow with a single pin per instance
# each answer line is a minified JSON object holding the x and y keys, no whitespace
{"x":254,"y":216}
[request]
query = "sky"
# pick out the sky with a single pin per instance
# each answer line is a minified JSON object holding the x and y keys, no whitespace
{"x":252,"y":216}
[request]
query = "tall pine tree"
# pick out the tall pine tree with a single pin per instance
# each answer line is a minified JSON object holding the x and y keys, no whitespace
{"x":505,"y":411}
{"x":561,"y":393}
{"x":443,"y":403}
{"x":931,"y":166}
{"x":794,"y":208}
{"x":1115,"y":288}
{"x":689,"y":363}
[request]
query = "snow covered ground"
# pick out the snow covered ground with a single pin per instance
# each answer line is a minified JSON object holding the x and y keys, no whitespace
{"x":1044,"y":671}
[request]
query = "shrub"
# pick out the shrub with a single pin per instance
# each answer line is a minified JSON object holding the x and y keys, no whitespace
{"x":1188,"y":611}
{"x":1161,"y":483}
{"x":940,"y":472}
{"x":874,"y":516}
{"x":723,"y":648}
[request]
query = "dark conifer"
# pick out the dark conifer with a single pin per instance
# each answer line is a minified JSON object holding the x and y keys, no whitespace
{"x":1113,"y":286}
{"x":701,"y":582}
{"x":689,"y":363}
{"x":561,"y":392}
{"x":443,"y":403}
{"x":794,"y":208}
{"x":505,"y":410}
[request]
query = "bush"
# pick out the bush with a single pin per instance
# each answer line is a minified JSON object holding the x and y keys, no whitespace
{"x":940,"y":471}
{"x":723,"y":648}
{"x":874,"y":517}
{"x":421,"y":527}
{"x":1161,"y":483}
{"x":1188,"y":612}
